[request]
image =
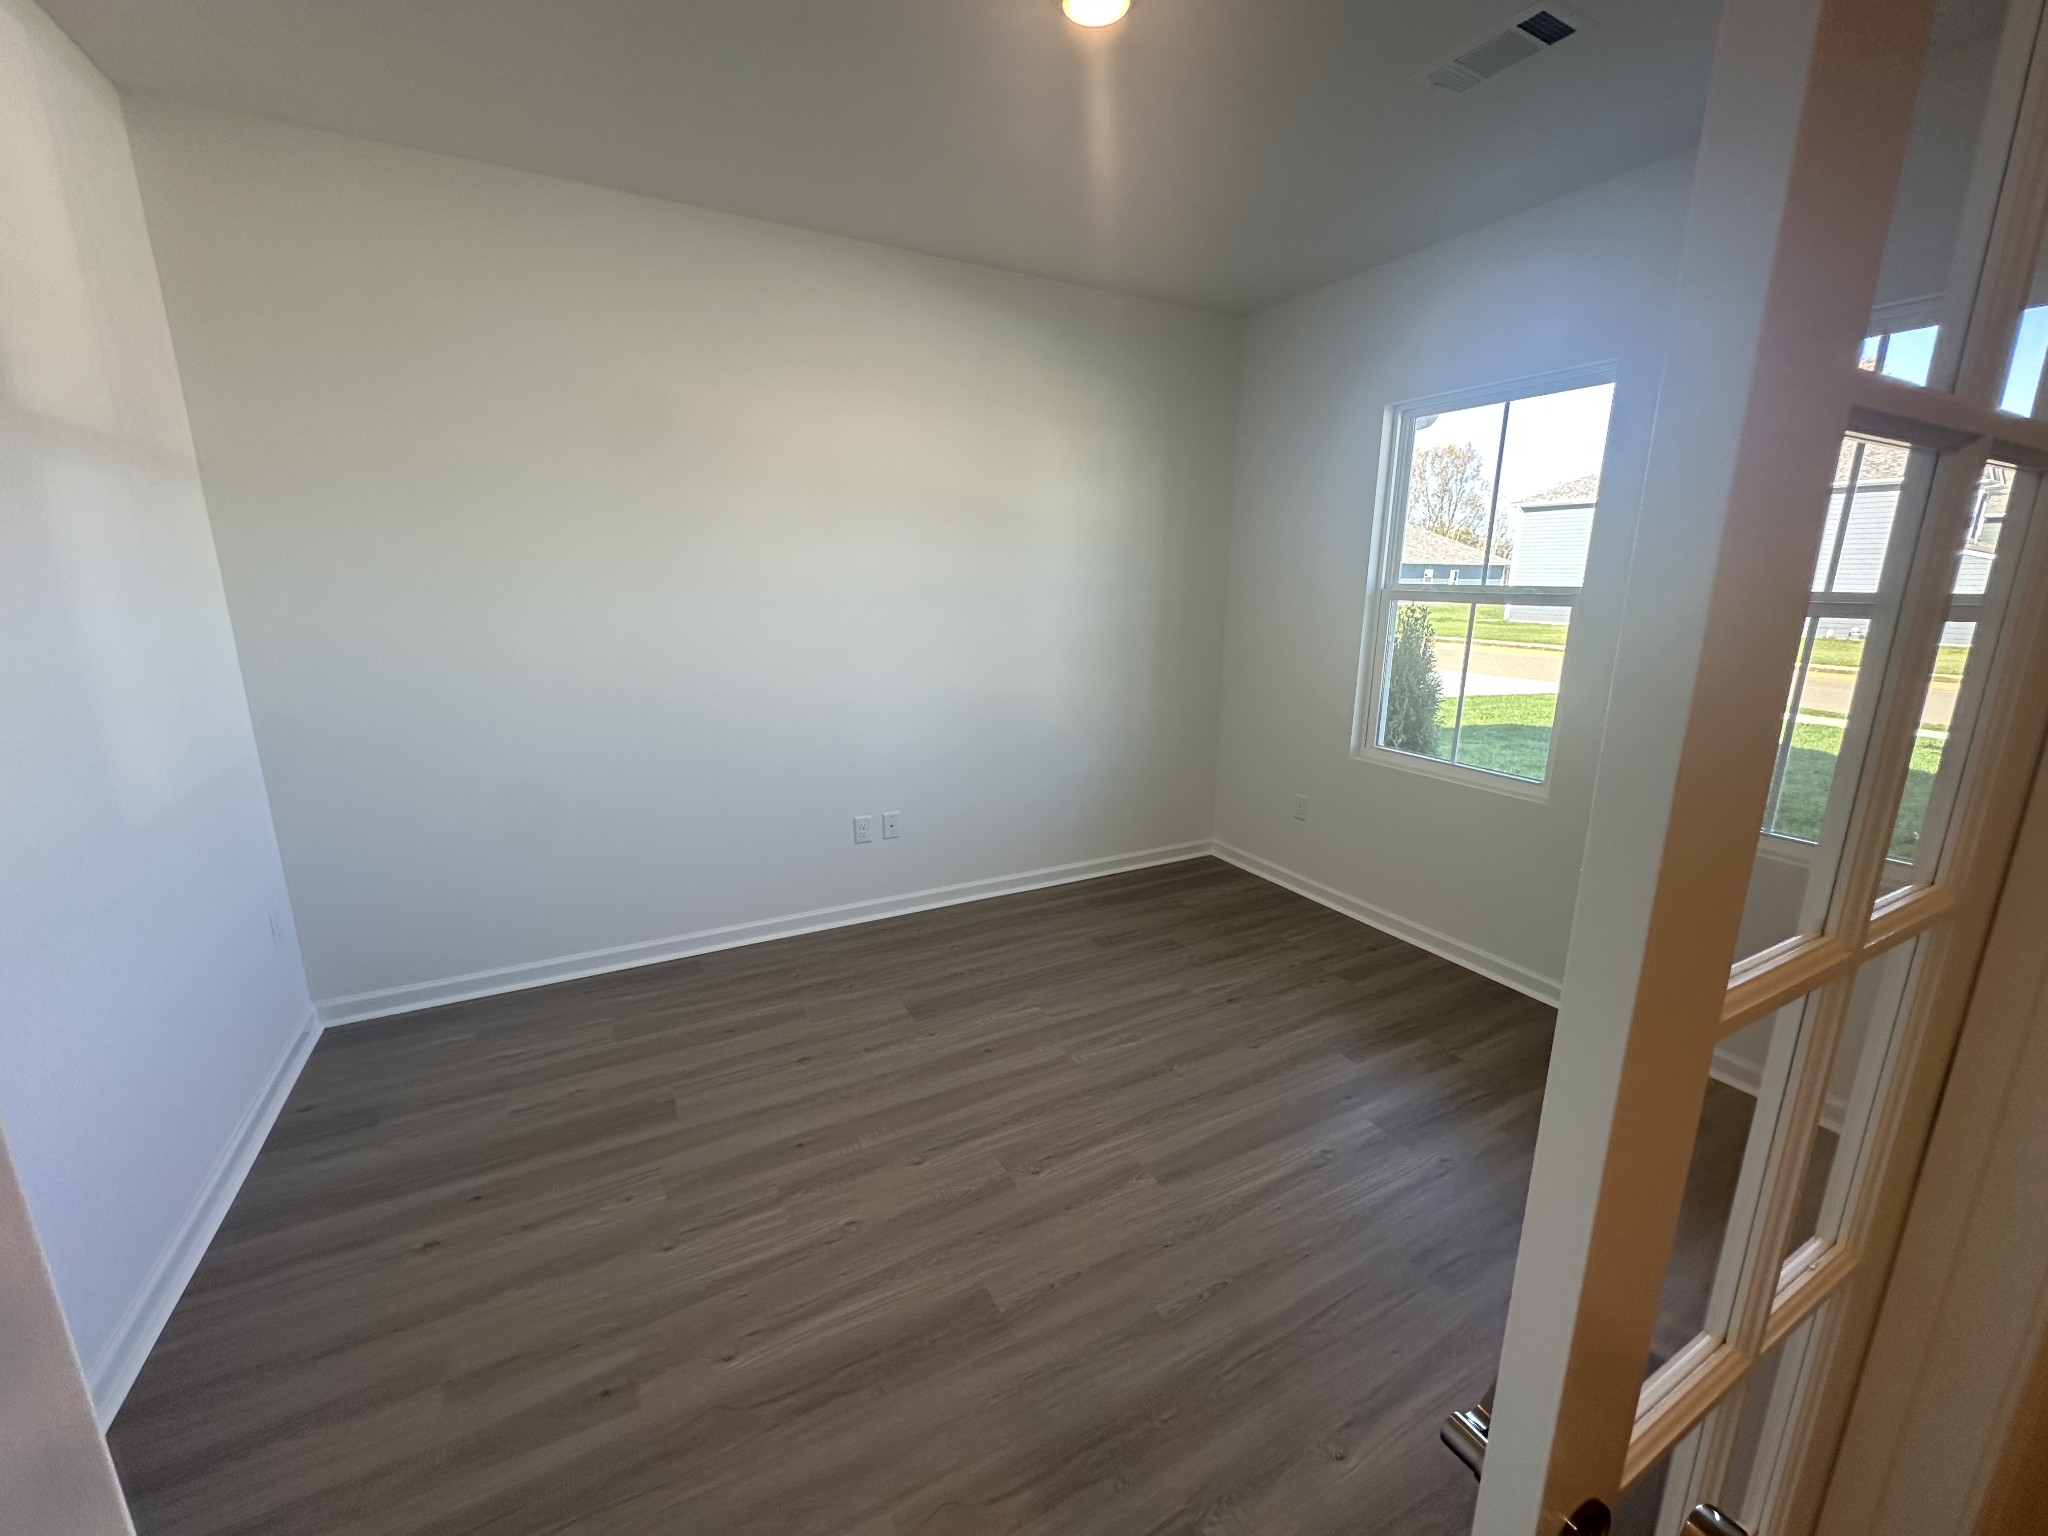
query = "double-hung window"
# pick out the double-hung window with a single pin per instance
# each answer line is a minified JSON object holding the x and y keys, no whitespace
{"x":1485,"y":522}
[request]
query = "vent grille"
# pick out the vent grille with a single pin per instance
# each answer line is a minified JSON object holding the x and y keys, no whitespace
{"x":1522,"y":39}
{"x":1547,"y":27}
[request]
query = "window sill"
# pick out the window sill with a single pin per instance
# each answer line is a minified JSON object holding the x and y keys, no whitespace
{"x":1454,"y":773}
{"x":1785,"y":850}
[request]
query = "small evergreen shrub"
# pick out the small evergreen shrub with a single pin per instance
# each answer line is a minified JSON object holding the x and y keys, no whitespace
{"x":1414,"y":687}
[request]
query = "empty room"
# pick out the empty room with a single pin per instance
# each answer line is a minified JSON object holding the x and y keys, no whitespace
{"x":1021,"y":767}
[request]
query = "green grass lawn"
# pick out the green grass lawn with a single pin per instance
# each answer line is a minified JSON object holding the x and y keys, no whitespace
{"x":1448,"y":620}
{"x":1510,"y":733}
{"x":1491,"y":623}
{"x":1810,"y":771}
{"x":1833,"y":651}
{"x":1504,"y":732}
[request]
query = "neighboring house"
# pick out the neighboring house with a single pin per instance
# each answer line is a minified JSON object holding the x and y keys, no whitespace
{"x":1427,"y":556}
{"x":1853,"y":562}
{"x":1554,"y":529}
{"x":1552,"y":533}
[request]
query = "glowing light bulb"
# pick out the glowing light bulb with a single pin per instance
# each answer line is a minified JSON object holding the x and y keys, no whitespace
{"x":1094,"y":13}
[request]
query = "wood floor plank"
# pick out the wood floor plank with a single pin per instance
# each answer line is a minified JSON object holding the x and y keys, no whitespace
{"x":1168,"y":1202}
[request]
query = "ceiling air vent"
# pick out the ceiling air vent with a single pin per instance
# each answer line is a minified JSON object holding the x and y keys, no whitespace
{"x":1513,"y":43}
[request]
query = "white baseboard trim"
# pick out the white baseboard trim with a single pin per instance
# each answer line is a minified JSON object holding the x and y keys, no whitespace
{"x":1740,"y":1072}
{"x":388,"y":1001}
{"x":120,"y":1362}
{"x":1543,"y":988}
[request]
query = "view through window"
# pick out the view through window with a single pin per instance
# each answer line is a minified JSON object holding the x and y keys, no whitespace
{"x":1908,"y":355}
{"x":1869,"y":476}
{"x":1483,"y":555}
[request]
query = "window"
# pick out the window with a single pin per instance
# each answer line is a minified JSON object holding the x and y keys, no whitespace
{"x":1847,"y":599}
{"x":1485,"y":523}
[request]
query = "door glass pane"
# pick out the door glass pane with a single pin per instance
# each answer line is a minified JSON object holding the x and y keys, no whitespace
{"x":1453,"y":473}
{"x":1947,"y":703}
{"x":1831,"y":693}
{"x":1914,"y":843}
{"x":1761,"y":1429}
{"x":1510,"y":688}
{"x":1719,"y":1147}
{"x":1876,"y":1007}
{"x":1640,"y":1512}
{"x":2021,"y":395}
{"x":1961,"y":126}
{"x":1425,"y":675}
{"x":1816,"y":715}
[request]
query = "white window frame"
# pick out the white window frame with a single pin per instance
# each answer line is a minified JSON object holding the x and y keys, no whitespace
{"x":1385,"y":589}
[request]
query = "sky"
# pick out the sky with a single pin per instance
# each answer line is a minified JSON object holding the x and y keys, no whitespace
{"x":1550,"y":439}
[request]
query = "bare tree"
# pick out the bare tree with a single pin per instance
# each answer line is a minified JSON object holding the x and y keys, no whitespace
{"x":1448,"y":494}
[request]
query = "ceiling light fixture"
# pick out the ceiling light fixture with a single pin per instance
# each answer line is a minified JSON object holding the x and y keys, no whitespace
{"x":1094,"y":13}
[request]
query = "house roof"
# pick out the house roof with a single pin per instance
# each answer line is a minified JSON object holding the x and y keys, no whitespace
{"x":1582,"y":492}
{"x":1883,"y":463}
{"x":1421,"y":547}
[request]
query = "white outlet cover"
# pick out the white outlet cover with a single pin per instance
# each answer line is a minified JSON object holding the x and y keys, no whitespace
{"x":890,"y":824}
{"x":863,"y":829}
{"x":1301,"y":807}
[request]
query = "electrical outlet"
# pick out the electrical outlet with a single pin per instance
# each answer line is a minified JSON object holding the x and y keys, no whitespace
{"x":863,"y":829}
{"x":890,"y":824}
{"x":1301,"y":807}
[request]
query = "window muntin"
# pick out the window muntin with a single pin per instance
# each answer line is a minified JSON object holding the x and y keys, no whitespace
{"x":1486,"y":526}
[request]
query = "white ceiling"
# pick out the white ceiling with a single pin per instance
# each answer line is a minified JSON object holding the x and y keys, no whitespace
{"x":1224,"y":152}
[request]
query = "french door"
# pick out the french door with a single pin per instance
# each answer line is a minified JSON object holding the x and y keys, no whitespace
{"x":1831,"y":695}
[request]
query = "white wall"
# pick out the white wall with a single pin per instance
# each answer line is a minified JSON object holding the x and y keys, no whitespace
{"x":596,"y":559}
{"x":1486,"y":876}
{"x":151,"y":981}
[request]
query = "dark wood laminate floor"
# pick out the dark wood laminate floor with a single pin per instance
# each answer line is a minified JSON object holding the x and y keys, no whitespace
{"x":1168,"y":1202}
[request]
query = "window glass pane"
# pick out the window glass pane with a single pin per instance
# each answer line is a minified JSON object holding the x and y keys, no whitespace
{"x":1962,"y":123}
{"x":1452,"y":465}
{"x":1500,"y":495}
{"x":1422,"y":684}
{"x":1830,"y":694}
{"x":1510,"y":688}
{"x":1549,"y":482}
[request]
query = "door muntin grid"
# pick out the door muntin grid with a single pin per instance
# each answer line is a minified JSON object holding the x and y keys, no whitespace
{"x":1869,"y":916}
